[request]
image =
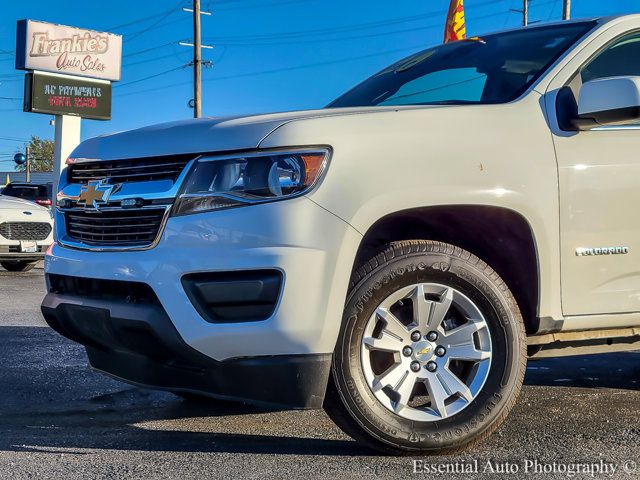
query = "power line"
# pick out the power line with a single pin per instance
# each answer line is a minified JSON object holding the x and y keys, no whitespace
{"x":553,"y":8}
{"x":302,"y":33}
{"x":148,"y":60}
{"x":344,"y":28}
{"x":221,"y":40}
{"x":283,"y":69}
{"x":524,"y":12}
{"x":13,"y":139}
{"x":261,"y":5}
{"x":151,"y":49}
{"x":305,"y":33}
{"x":302,"y":66}
{"x":138,"y":20}
{"x":292,"y":35}
{"x":150,"y":76}
{"x":151,"y":27}
{"x":334,"y":30}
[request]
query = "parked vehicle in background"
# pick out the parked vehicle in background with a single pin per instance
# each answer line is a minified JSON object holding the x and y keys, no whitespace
{"x":394,"y":258}
{"x":38,"y":193}
{"x":26,"y":231}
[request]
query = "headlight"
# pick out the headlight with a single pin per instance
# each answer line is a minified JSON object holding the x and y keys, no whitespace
{"x":232,"y":181}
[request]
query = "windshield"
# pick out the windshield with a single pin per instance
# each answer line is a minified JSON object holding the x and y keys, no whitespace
{"x":496,"y":68}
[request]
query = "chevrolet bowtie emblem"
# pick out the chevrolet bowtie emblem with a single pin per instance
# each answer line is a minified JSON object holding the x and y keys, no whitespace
{"x":424,"y":351}
{"x":97,"y":191}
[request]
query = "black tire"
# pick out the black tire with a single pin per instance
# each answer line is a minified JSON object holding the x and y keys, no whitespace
{"x":350,"y":402}
{"x":17,"y":266}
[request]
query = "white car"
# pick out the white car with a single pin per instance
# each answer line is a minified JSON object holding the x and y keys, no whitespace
{"x":393,"y":258}
{"x":26,"y":231}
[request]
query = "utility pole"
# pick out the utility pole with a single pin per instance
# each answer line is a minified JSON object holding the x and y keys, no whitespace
{"x":197,"y":58}
{"x":197,"y":67}
{"x":566,"y":10}
{"x":28,"y":163}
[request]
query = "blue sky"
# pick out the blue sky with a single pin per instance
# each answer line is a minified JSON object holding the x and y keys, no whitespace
{"x":269,"y":55}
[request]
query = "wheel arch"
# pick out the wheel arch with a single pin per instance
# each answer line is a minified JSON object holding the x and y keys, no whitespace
{"x":507,"y":244}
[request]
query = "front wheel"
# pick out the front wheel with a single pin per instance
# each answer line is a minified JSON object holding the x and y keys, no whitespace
{"x":17,"y":266}
{"x":432,"y":351}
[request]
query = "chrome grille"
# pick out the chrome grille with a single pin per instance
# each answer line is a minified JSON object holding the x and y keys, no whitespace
{"x":25,"y":230}
{"x":117,"y":227}
{"x":130,"y":170}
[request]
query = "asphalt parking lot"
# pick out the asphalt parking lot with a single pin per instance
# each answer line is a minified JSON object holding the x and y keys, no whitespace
{"x":59,"y":419}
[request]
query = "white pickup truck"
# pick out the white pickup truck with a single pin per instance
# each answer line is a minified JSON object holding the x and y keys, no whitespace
{"x":394,"y":258}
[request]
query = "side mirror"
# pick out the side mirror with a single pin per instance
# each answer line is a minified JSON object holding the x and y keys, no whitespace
{"x":608,"y":101}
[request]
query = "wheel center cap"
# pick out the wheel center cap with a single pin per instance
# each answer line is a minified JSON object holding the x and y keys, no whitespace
{"x":423,"y":351}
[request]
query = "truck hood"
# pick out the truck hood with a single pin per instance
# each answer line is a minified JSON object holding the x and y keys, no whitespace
{"x":203,"y":134}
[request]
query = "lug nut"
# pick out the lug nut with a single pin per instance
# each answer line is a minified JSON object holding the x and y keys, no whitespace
{"x":415,"y":366}
{"x":440,"y":351}
{"x":407,"y":351}
{"x":432,"y":336}
{"x":431,"y":366}
{"x":415,"y":336}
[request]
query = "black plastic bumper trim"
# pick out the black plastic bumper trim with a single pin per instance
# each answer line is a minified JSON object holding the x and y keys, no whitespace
{"x":138,"y":343}
{"x":240,"y":296}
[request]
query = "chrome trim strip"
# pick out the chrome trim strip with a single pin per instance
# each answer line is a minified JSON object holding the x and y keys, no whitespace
{"x":144,"y":190}
{"x":615,"y":127}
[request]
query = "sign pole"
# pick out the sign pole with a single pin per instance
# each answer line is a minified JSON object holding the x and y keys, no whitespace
{"x":28,"y":164}
{"x":67,"y":137}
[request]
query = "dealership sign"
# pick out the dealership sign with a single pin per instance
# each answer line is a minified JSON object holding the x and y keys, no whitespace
{"x":64,"y":95}
{"x":68,"y":50}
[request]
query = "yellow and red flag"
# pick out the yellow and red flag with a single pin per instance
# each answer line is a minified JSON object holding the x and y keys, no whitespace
{"x":455,"y":28}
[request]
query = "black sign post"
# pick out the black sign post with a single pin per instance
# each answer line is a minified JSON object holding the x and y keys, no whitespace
{"x":64,"y":95}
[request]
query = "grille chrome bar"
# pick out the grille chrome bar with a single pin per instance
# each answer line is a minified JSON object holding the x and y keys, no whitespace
{"x":129,"y":217}
{"x":126,"y":167}
{"x":87,"y":226}
{"x":111,"y":175}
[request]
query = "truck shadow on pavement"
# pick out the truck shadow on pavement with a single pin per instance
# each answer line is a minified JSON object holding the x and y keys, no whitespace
{"x":52,"y":402}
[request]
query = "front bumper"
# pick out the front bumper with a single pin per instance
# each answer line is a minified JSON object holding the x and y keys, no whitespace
{"x":312,"y":248}
{"x":137,"y":343}
{"x":12,"y":252}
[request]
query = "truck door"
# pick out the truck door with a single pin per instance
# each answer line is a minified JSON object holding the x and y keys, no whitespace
{"x":599,"y":188}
